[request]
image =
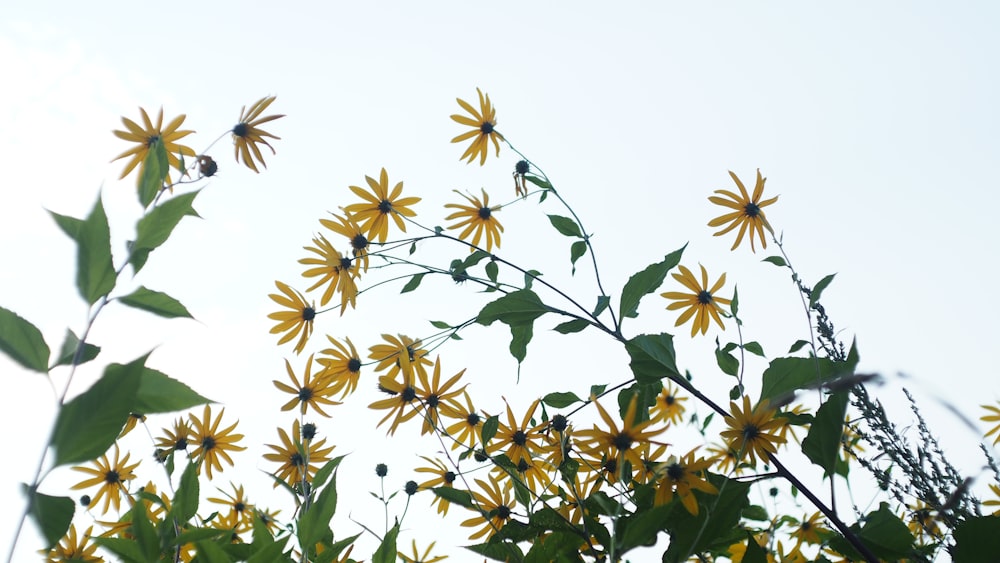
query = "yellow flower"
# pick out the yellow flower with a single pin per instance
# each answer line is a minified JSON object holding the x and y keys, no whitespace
{"x":373,"y":215}
{"x":298,"y":457}
{"x":681,"y":476}
{"x":668,"y":407}
{"x":311,"y":393}
{"x":810,"y":529}
{"x":518,"y":441}
{"x":726,"y":458}
{"x":331,"y":266}
{"x":400,"y":354}
{"x":923,"y":522}
{"x":465,"y":431}
{"x":111,"y":476}
{"x":298,"y":319}
{"x":425,"y":558}
{"x":482,"y":123}
{"x":342,"y":366}
{"x":434,"y":396}
{"x":240,"y":510}
{"x":753,"y":431}
{"x":495,"y":509}
{"x":701,"y":303}
{"x":348,"y":227}
{"x":247,"y":134}
{"x":476,"y":219}
{"x":403,"y":394}
{"x":145,"y":136}
{"x":443,"y":477}
{"x":748,"y":212}
{"x":133,"y":419}
{"x":175,"y":438}
{"x":213,"y":443}
{"x":72,"y":548}
{"x":995,"y":417}
{"x":619,"y":444}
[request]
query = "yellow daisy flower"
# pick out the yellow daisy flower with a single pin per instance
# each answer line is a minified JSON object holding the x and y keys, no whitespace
{"x":477,"y":218}
{"x":518,"y":441}
{"x":213,"y":443}
{"x":348,"y":227}
{"x":297,"y":320}
{"x":400,"y":354}
{"x":373,"y":215}
{"x":73,"y":548}
{"x":240,"y":511}
{"x":247,"y":134}
{"x":434,"y":396}
{"x":810,"y":529}
{"x":619,"y":444}
{"x":146,"y":135}
{"x":748,"y":212}
{"x":994,"y":417}
{"x":403,"y":394}
{"x":177,"y":437}
{"x":680,"y":476}
{"x":299,"y":456}
{"x":668,"y":407}
{"x":483,"y":123}
{"x":341,"y":272}
{"x":425,"y":558}
{"x":701,"y":303}
{"x":111,"y":476}
{"x":466,"y":429}
{"x":442,"y":477}
{"x":753,"y":432}
{"x":342,"y":366}
{"x":495,"y":509}
{"x":313,"y":392}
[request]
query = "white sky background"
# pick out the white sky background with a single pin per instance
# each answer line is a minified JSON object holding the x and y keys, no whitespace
{"x":875,"y":123}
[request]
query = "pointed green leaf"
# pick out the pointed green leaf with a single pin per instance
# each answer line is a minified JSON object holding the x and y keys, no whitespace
{"x":440,"y":324}
{"x":787,"y":375}
{"x":561,"y":400}
{"x":817,"y":290}
{"x":568,"y":327}
{"x":414,"y":283}
{"x":576,"y":251}
{"x":68,"y":225}
{"x":489,"y":429}
{"x":886,"y":535}
{"x":520,"y":336}
{"x":155,"y":168}
{"x":69,"y":350}
{"x":51,"y":514}
{"x":455,"y":496}
{"x":155,"y":228}
{"x":754,"y":348}
{"x":326,"y":471}
{"x":88,"y":425}
{"x":23,"y":342}
{"x":492,"y":270}
{"x":798,"y":345}
{"x":538,"y":181}
{"x":646,"y":282}
{"x":144,"y":532}
{"x":822,"y":444}
{"x":776,"y":260}
{"x":516,"y":308}
{"x":653,"y":357}
{"x":160,"y":393}
{"x":727,"y":362}
{"x":185,"y":504}
{"x":155,"y":302}
{"x":315,"y":522}
{"x":565,"y":226}
{"x":126,"y":549}
{"x":386,"y":552}
{"x":95,"y":275}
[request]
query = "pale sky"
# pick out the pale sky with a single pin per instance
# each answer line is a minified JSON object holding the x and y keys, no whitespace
{"x":876,"y":124}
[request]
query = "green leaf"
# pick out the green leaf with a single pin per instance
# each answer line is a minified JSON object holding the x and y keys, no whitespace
{"x":754,"y":348}
{"x":160,"y":393}
{"x":95,"y":271}
{"x":314,"y":523}
{"x":386,"y":552}
{"x":822,"y":444}
{"x":489,"y":430}
{"x":126,"y":549}
{"x":492,"y":270}
{"x":210,"y":552}
{"x":538,"y":181}
{"x":798,"y":345}
{"x":144,"y":532}
{"x":576,"y":251}
{"x":787,"y":375}
{"x":734,"y":304}
{"x":52,"y":515}
{"x":520,"y":337}
{"x":818,"y":289}
{"x":155,"y":228}
{"x":727,"y":362}
{"x":530,"y":276}
{"x":642,"y":527}
{"x":326,"y":471}
{"x":710,"y":528}
{"x":596,"y":390}
{"x":440,"y":324}
{"x":185,"y":504}
{"x":566,"y":226}
{"x":155,"y":168}
{"x":155,"y":302}
{"x":776,"y":260}
{"x":653,"y":357}
{"x":68,"y":225}
{"x":414,"y":283}
{"x":602,"y":303}
{"x":754,"y":553}
{"x":977,"y":539}
{"x":519,"y":307}
{"x":756,"y":512}
{"x":561,"y":400}
{"x":499,"y":551}
{"x":23,"y":342}
{"x":885,"y":534}
{"x":68,"y":351}
{"x":455,"y":496}
{"x":88,"y":425}
{"x":646,"y":282}
{"x":568,"y":327}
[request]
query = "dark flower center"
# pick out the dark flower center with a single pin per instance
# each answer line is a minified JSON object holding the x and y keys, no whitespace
{"x":239,"y":506}
{"x":181,"y":443}
{"x":750,"y":432}
{"x":385,"y":206}
{"x":296,"y":460}
{"x":486,"y":128}
{"x":522,"y":465}
{"x":675,"y":471}
{"x":208,"y":443}
{"x":559,"y":423}
{"x":381,"y":470}
{"x":622,"y":441}
{"x":354,"y":365}
{"x":751,"y":210}
{"x":472,"y":419}
{"x":610,"y":466}
{"x":345,"y":263}
{"x":433,"y":401}
{"x":449,"y":476}
{"x":410,"y":488}
{"x":152,"y":139}
{"x":806,"y":526}
{"x":669,"y":400}
{"x":305,"y":394}
{"x":112,"y":477}
{"x":241,"y":130}
{"x":519,"y":438}
{"x":308,"y":314}
{"x":704,"y":297}
{"x":359,"y":242}
{"x":308,"y":431}
{"x":522,"y":167}
{"x":503,"y":512}
{"x":409,"y":394}
{"x":484,"y":213}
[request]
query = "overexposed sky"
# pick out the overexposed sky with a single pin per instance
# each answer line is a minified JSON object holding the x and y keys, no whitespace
{"x":876,"y":124}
